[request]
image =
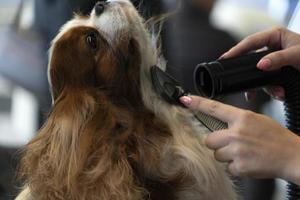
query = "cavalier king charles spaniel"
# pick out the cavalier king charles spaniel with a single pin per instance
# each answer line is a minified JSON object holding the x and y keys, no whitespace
{"x":109,"y":136}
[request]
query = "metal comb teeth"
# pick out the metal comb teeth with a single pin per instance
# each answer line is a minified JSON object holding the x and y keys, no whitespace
{"x":210,"y":122}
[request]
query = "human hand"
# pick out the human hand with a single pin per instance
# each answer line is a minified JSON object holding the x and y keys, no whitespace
{"x":254,"y":145}
{"x":282,"y":39}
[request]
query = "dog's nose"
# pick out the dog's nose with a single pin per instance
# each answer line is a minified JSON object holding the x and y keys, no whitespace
{"x":100,"y":6}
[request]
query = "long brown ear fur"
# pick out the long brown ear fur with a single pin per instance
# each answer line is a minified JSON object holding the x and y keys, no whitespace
{"x":73,"y":150}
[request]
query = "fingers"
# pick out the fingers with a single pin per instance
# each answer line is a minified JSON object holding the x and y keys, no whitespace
{"x":278,"y":59}
{"x":217,"y":139}
{"x":275,"y":38}
{"x":233,"y":169}
{"x":213,"y":108}
{"x":270,"y":38}
{"x":276,"y":92}
{"x":223,"y":154}
{"x":226,"y":145}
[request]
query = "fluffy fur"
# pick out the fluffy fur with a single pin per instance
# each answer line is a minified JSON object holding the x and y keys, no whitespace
{"x":109,"y":136}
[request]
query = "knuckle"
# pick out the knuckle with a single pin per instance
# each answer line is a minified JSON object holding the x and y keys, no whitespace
{"x":240,"y":131}
{"x":280,"y":56}
{"x":197,"y":104}
{"x":279,"y":29}
{"x":237,"y":132}
{"x":238,"y":151}
{"x":217,"y":155}
{"x":249,"y":39}
{"x":235,"y":136}
{"x":266,"y":119}
{"x":212,"y":107}
{"x":246,"y":115}
{"x":241,"y":168}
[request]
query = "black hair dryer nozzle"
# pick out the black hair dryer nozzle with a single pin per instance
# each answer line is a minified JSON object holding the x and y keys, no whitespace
{"x":232,"y":75}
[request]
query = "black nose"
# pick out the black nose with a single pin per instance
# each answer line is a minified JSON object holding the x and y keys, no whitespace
{"x":100,"y":6}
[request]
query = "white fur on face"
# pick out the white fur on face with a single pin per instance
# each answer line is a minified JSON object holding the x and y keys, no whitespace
{"x":113,"y":22}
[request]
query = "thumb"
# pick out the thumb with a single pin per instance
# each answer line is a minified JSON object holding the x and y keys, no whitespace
{"x":278,"y":59}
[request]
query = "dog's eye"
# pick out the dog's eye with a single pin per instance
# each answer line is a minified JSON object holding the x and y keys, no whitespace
{"x":92,"y":41}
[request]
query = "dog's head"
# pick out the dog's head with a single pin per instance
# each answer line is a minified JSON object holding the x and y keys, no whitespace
{"x":103,"y":50}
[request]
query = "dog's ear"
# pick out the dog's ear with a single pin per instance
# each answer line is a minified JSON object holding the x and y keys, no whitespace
{"x":69,"y":70}
{"x":80,"y":153}
{"x":56,"y":154}
{"x":72,"y":63}
{"x":57,"y":88}
{"x":126,"y":73}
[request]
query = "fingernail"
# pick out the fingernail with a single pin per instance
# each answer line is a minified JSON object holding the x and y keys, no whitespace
{"x":264,"y":63}
{"x":186,"y":100}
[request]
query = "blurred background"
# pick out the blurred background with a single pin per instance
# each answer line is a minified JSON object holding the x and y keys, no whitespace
{"x":201,"y":30}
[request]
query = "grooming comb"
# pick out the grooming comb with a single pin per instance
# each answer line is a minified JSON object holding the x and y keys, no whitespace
{"x":170,"y":90}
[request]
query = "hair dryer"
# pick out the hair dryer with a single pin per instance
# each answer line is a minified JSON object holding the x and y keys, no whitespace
{"x":226,"y":76}
{"x":237,"y":74}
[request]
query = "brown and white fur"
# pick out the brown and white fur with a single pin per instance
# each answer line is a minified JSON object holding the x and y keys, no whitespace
{"x":109,"y":136}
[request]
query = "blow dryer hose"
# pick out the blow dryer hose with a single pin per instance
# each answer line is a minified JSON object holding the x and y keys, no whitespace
{"x":292,"y":112}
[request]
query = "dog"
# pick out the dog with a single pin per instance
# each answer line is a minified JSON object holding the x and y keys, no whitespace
{"x":109,"y":136}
